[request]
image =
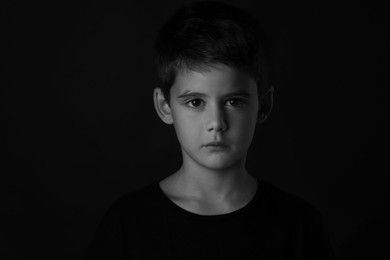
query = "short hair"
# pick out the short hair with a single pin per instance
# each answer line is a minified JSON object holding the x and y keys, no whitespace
{"x":202,"y":34}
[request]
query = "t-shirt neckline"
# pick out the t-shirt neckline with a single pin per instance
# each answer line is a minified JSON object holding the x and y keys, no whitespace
{"x":179,"y":210}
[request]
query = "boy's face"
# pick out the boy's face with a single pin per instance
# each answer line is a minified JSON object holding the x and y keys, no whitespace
{"x":214,"y":114}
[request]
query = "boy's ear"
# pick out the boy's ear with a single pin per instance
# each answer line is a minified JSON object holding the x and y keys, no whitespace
{"x":265,"y":105}
{"x":162,"y":107}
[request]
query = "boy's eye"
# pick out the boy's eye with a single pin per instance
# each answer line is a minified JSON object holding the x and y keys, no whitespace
{"x":234,"y":102}
{"x":194,"y":102}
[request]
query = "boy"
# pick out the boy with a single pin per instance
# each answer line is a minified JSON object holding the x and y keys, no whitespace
{"x":214,"y":90}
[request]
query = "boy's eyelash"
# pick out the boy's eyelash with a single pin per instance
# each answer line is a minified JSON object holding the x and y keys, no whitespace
{"x":188,"y":102}
{"x":237,"y":99}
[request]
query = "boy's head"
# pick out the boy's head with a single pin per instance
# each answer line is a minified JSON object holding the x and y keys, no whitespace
{"x":212,"y":65}
{"x":203,"y":34}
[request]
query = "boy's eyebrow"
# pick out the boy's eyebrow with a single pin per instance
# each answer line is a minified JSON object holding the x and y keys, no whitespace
{"x":238,"y":94}
{"x":189,"y":93}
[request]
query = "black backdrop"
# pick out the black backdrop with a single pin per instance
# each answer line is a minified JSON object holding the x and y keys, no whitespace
{"x":78,"y":127}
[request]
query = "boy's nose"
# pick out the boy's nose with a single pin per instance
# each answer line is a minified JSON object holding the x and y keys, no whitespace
{"x":216,"y":120}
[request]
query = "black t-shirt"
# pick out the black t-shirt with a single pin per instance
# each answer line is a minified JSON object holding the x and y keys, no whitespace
{"x":146,"y":224}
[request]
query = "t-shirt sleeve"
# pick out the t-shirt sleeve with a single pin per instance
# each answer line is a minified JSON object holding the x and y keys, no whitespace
{"x":109,"y":239}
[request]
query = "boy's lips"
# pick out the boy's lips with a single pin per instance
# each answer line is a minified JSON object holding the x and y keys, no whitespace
{"x":216,"y":145}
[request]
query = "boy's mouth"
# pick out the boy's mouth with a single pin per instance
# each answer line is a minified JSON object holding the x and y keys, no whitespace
{"x":216,"y":145}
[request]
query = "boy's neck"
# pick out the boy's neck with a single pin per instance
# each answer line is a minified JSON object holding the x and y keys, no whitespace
{"x":196,"y":181}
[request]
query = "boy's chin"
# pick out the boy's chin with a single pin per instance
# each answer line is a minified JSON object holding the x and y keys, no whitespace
{"x":218,"y":164}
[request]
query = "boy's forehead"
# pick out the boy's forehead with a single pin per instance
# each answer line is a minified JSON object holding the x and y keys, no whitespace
{"x":216,"y":79}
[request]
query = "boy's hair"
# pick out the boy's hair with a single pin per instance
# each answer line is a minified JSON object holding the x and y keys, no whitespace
{"x":203,"y":34}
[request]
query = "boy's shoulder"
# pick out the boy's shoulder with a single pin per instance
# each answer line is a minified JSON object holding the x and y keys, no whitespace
{"x":139,"y":203}
{"x":284,"y":198}
{"x":284,"y":205}
{"x":137,"y":199}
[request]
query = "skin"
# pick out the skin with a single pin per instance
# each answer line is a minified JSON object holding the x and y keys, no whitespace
{"x":216,"y":105}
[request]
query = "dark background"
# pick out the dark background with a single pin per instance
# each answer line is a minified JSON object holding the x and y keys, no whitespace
{"x":78,"y":127}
